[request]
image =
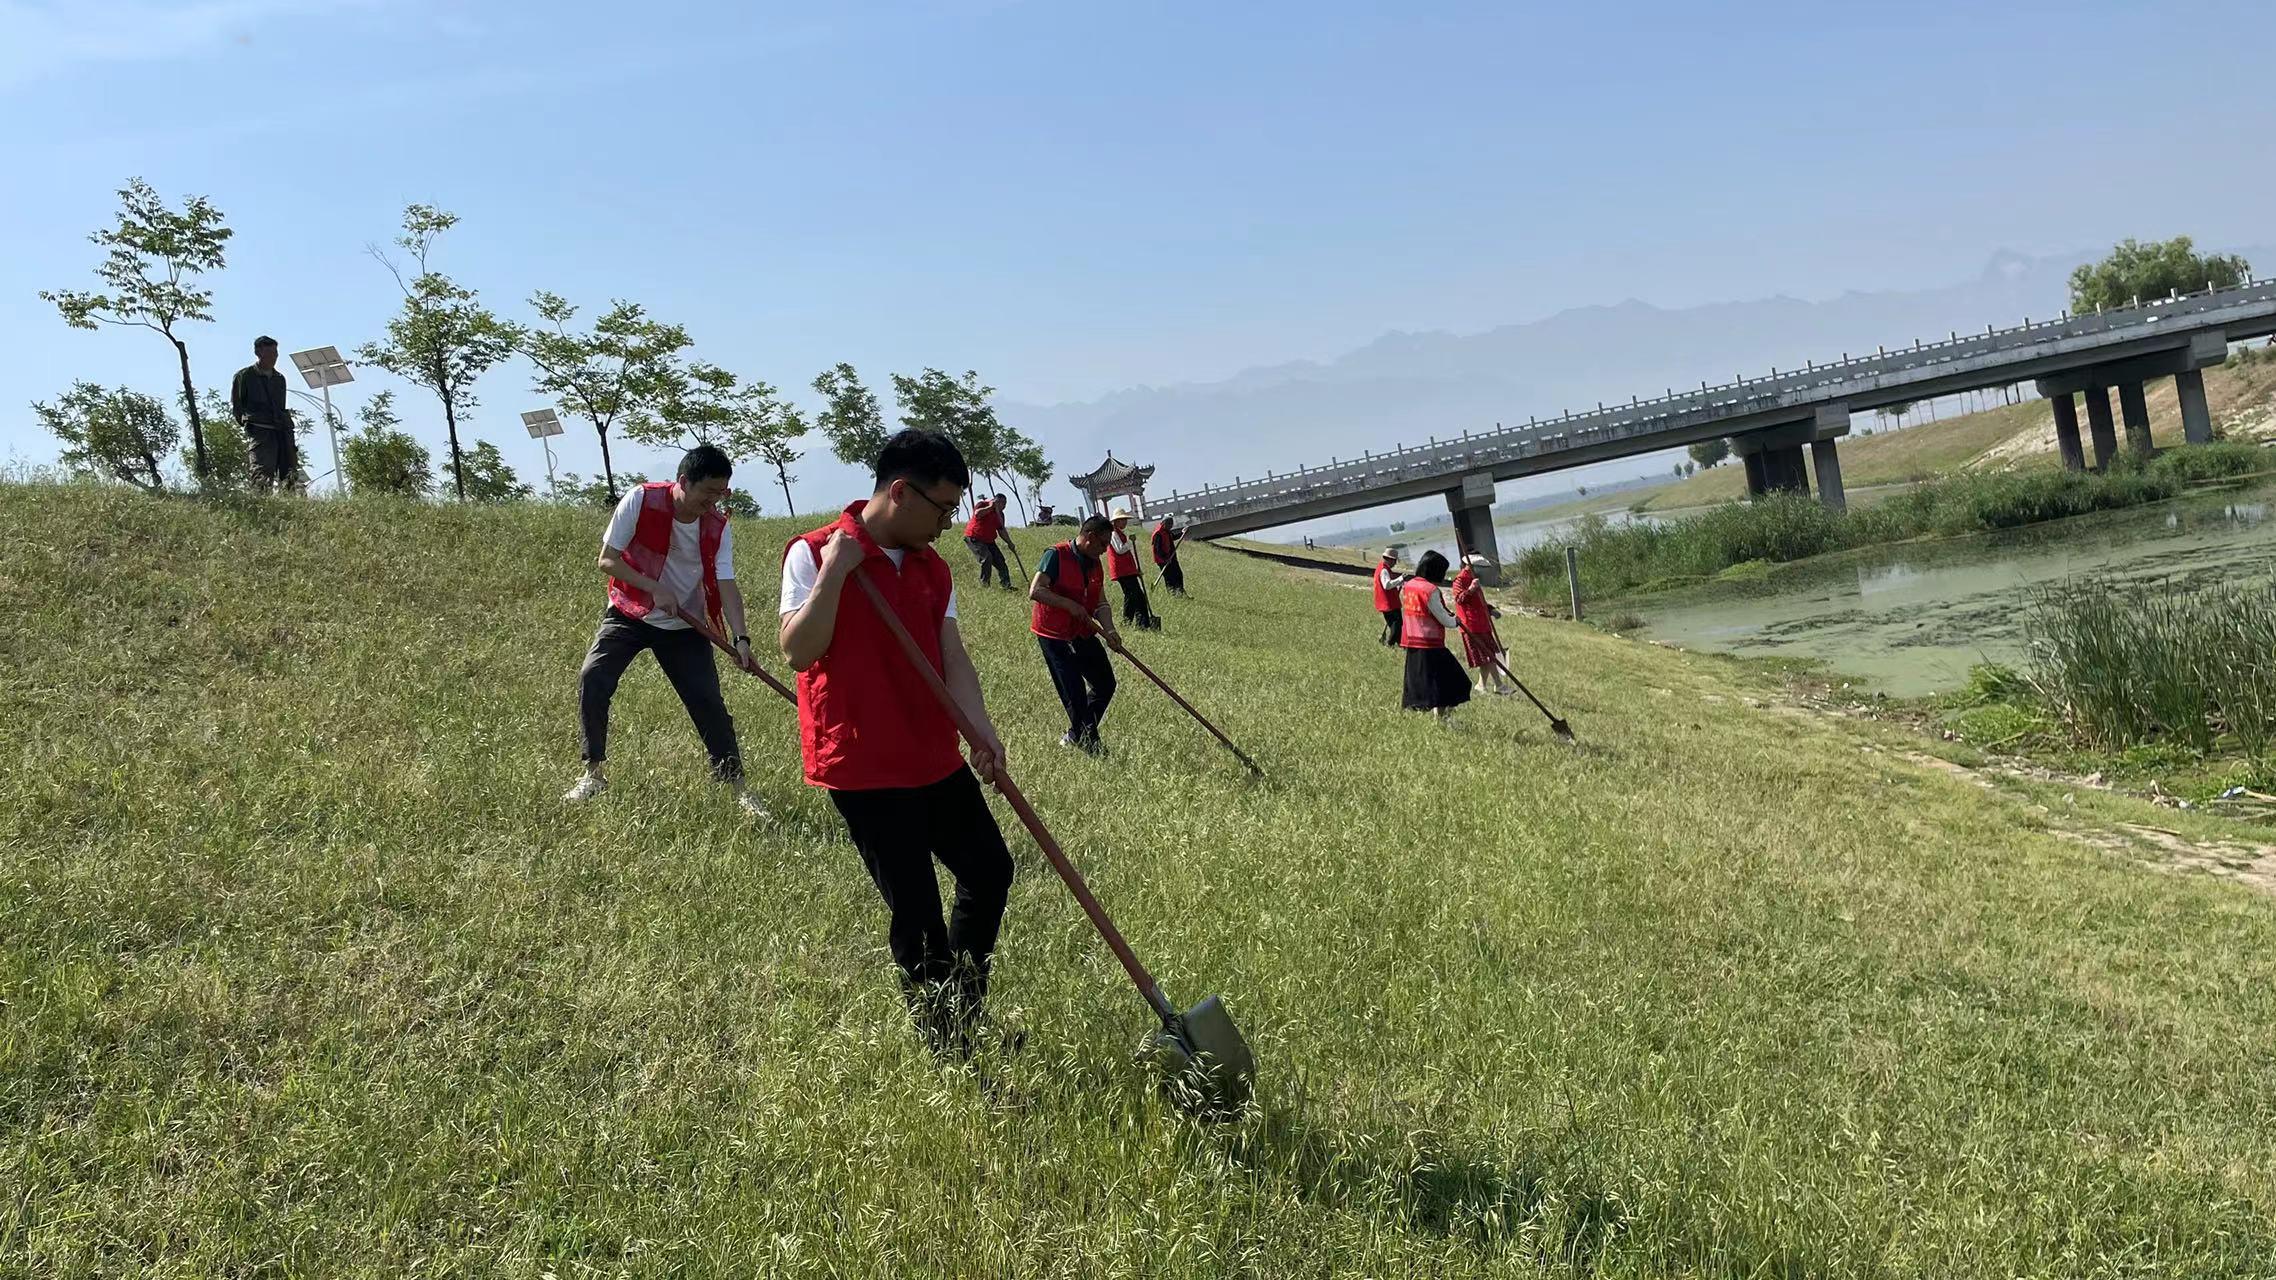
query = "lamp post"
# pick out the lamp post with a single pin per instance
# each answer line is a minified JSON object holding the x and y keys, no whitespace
{"x":321,"y":367}
{"x":544,"y":423}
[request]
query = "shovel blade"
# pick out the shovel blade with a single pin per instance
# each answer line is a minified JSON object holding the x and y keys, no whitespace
{"x":1204,"y":1060}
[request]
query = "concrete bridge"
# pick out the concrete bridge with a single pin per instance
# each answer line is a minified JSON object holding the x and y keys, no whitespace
{"x":1772,"y":419}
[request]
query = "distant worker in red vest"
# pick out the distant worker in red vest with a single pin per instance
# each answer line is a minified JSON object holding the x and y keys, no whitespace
{"x":1481,"y":643}
{"x":1122,"y":567}
{"x":1167,"y":536}
{"x":668,"y":548}
{"x":878,"y":741}
{"x":1435,"y":682}
{"x":1070,"y":616}
{"x":1386,"y":581}
{"x":981,"y":534}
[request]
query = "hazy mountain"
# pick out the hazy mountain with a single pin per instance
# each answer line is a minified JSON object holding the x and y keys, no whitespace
{"x":1408,"y":386}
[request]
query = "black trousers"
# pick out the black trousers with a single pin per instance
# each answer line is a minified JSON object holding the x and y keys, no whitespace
{"x":685,"y":657}
{"x":899,"y":831}
{"x":991,"y":556}
{"x":1173,"y":576}
{"x":1134,"y":608}
{"x":1391,"y":627}
{"x":1084,"y":677}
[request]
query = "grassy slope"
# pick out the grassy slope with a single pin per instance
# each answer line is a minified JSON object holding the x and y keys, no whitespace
{"x":304,"y":968}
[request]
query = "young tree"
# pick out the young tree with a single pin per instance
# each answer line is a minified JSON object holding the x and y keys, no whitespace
{"x":702,"y":403}
{"x":851,"y":421}
{"x":382,"y":458}
{"x":1898,"y":411}
{"x":957,"y":408}
{"x":149,"y":279}
{"x":120,"y":434}
{"x":1708,"y":453}
{"x":228,"y":455}
{"x":2136,"y":270}
{"x":1026,"y":460}
{"x":579,"y":492}
{"x":776,"y":452}
{"x":612,"y":370}
{"x":443,"y":339}
{"x":486,"y":477}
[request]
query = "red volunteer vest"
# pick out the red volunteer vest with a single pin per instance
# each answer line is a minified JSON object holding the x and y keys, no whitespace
{"x":1084,"y":585}
{"x":1418,"y":627}
{"x":1384,"y":601}
{"x":1470,"y":604}
{"x":1121,"y":558}
{"x":866,"y":719}
{"x":1165,"y":546}
{"x":652,"y":546}
{"x":984,"y":524}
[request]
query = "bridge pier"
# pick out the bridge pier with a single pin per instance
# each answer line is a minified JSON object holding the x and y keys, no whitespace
{"x":1472,"y":507}
{"x":1827,"y":463}
{"x":1756,"y":487}
{"x":2196,"y":416}
{"x":2134,"y":411}
{"x":2066,"y":431}
{"x":2104,"y":431}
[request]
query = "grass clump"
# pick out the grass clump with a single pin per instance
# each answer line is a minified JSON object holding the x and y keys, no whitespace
{"x":2124,"y":664}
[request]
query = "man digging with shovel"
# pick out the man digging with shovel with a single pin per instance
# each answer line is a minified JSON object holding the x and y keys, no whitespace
{"x":667,"y":546}
{"x":877,"y":739}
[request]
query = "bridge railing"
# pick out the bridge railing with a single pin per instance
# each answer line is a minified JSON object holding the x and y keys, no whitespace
{"x":1744,"y":395}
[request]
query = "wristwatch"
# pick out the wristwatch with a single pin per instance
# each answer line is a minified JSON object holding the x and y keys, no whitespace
{"x":742,"y":639}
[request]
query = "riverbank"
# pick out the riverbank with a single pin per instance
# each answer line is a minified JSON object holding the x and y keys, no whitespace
{"x":308,"y":970}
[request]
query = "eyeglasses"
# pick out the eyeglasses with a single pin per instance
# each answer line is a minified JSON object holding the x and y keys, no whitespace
{"x":947,"y":509}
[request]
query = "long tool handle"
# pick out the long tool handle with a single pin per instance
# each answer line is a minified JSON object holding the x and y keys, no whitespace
{"x":1554,"y":722}
{"x":702,"y":627}
{"x":1163,"y":685}
{"x":1011,"y":792}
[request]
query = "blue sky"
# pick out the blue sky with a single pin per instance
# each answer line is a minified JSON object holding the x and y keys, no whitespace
{"x":1075,"y":198}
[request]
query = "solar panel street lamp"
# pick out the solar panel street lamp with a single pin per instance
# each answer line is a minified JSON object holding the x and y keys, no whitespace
{"x":320,"y":368}
{"x":542,"y":424}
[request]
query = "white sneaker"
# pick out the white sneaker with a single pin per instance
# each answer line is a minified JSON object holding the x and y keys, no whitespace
{"x":753,"y":807}
{"x":592,"y":784}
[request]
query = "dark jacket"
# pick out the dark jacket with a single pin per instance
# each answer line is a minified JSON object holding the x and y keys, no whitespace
{"x":258,"y":399}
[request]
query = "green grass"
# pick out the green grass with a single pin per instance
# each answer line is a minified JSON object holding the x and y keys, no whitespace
{"x":2133,"y":663}
{"x":304,"y":971}
{"x":1633,"y":555}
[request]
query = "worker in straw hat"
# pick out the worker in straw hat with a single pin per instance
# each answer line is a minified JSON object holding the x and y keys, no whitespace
{"x":1122,"y":567}
{"x":1387,"y":580}
{"x":1481,"y":645}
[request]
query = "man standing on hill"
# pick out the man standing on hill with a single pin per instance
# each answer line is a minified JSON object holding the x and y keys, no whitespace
{"x":876,"y":738}
{"x":1387,"y":582}
{"x":1167,"y":536}
{"x":981,"y":533}
{"x":1122,"y":566}
{"x":1070,"y":615}
{"x":667,"y":548}
{"x":257,"y":401}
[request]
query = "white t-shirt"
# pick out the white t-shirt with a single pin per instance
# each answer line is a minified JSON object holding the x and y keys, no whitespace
{"x":1438,"y":609}
{"x":682,"y":578}
{"x":801,"y":566}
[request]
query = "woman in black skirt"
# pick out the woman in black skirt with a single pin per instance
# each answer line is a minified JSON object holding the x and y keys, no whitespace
{"x":1435,"y":680}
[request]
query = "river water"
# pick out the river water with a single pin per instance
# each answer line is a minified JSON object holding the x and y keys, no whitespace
{"x":1910,"y":620}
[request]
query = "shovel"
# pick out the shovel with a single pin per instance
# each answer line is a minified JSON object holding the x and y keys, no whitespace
{"x":1159,"y":683}
{"x":702,"y":627}
{"x":1200,"y":1051}
{"x":1556,"y":725}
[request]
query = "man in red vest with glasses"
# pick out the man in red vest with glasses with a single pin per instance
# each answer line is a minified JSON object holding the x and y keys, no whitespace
{"x":668,"y":552}
{"x":877,"y":739}
{"x":1070,"y":615}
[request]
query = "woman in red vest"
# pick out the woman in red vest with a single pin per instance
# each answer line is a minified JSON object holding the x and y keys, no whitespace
{"x":667,"y":548}
{"x":1167,"y":536}
{"x":875,"y":737}
{"x":1435,"y":682}
{"x":1387,"y":582}
{"x":1481,"y":644}
{"x":1069,"y":618}
{"x":1122,"y":568}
